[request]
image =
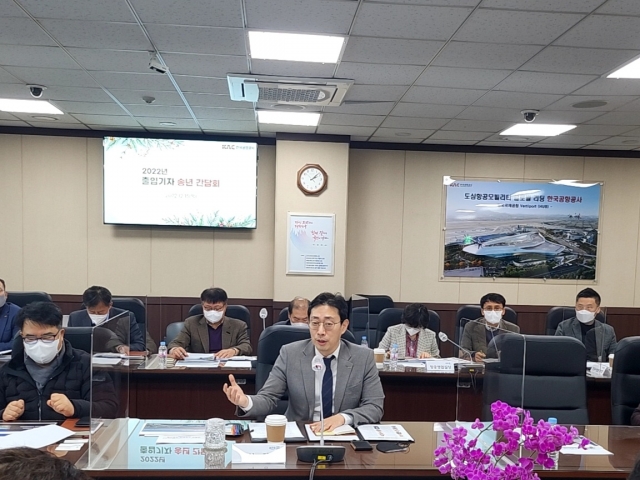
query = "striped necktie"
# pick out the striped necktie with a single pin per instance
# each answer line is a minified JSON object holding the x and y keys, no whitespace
{"x":327,"y":388}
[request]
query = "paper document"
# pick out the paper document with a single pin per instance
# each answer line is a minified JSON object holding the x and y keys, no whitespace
{"x":105,"y":361}
{"x":291,"y":434}
{"x":592,"y":449}
{"x":199,"y":357}
{"x":182,"y":363}
{"x":36,"y":437}
{"x":243,"y":357}
{"x":181,"y":439}
{"x":184,"y":427}
{"x":330,"y":436}
{"x":258,"y":453}
{"x":109,"y":355}
{"x":237,"y":364}
{"x":384,"y":433}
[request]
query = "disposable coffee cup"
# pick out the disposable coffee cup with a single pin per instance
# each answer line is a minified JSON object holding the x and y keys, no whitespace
{"x":378,"y":354}
{"x":276,"y":426}
{"x":611,"y":360}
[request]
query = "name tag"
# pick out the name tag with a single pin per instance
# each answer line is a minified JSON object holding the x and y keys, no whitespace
{"x":600,"y":370}
{"x":440,"y":366}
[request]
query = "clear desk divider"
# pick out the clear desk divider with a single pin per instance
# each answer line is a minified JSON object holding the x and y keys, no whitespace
{"x":359,"y":323}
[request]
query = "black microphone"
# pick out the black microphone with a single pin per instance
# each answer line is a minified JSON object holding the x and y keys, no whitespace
{"x":322,"y":453}
{"x":445,"y":338}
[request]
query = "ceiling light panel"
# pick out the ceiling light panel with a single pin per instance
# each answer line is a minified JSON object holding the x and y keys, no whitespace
{"x":537,"y":129}
{"x":308,"y":119}
{"x":28,"y":106}
{"x":295,"y":47}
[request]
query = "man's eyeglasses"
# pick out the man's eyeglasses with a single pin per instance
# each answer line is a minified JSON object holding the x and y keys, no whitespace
{"x":46,"y":338}
{"x":492,"y":310}
{"x":327,"y":325}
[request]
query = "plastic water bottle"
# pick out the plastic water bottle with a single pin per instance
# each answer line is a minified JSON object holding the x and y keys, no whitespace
{"x":393,"y":360}
{"x":162,"y":355}
{"x":555,"y":456}
{"x":364,"y":342}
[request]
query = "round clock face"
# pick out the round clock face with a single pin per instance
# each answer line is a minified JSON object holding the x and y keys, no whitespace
{"x":312,"y":179}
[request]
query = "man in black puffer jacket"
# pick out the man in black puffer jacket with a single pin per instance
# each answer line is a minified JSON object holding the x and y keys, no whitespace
{"x":46,"y":378}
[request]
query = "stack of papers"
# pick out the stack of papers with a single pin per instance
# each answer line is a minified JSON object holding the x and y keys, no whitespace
{"x":384,"y":433}
{"x":237,"y":364}
{"x":291,"y":434}
{"x":592,"y":449}
{"x":172,"y":429}
{"x":36,"y":437}
{"x":344,"y":433}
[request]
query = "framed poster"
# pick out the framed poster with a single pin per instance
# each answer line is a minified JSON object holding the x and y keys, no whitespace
{"x":545,"y":230}
{"x":310,"y":243}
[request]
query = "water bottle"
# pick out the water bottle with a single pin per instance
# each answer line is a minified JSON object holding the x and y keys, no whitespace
{"x":364,"y":342}
{"x":162,"y":355}
{"x":555,"y":456}
{"x":393,"y":360}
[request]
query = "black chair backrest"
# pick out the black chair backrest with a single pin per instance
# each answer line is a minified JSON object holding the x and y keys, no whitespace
{"x":283,"y":316}
{"x":625,"y":380}
{"x":552,"y":364}
{"x":393,"y":316}
{"x":377,"y":303}
{"x":80,"y":338}
{"x":24,"y":298}
{"x":234,"y":311}
{"x":173,"y":329}
{"x":557,"y":314}
{"x":472,"y":312}
{"x":359,"y":322}
{"x":135,"y":306}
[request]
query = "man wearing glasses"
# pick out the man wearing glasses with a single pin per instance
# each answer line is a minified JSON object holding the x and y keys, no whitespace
{"x":46,"y":378}
{"x":479,"y":333}
{"x":350,"y":387}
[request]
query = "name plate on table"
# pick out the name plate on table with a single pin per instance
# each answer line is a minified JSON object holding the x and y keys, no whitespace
{"x":440,"y":366}
{"x":600,"y":370}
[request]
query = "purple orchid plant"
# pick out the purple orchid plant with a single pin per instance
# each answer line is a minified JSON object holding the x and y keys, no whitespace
{"x":464,"y":459}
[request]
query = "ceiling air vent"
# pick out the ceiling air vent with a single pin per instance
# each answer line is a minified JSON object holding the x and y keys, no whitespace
{"x":320,"y":92}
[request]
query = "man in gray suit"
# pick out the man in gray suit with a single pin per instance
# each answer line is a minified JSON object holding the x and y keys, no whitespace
{"x":350,"y":387}
{"x":598,"y":338}
{"x":212,"y":332}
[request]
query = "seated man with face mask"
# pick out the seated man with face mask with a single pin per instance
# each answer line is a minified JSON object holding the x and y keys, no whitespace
{"x":478,"y":334}
{"x":46,"y":378}
{"x":598,"y":338}
{"x":211,"y":332}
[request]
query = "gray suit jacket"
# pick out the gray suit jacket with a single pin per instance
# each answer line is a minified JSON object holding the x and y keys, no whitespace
{"x":358,"y":389}
{"x":474,"y":336}
{"x":194,"y":336}
{"x":605,"y":336}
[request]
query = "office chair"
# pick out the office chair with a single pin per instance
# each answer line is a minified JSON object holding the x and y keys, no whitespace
{"x":173,"y":329}
{"x":472,"y":312}
{"x":377,"y":303}
{"x":135,"y":306}
{"x":283,"y":316}
{"x":625,"y":380}
{"x":24,"y":298}
{"x":239,"y":312}
{"x":557,"y":314}
{"x":91,"y":339}
{"x":555,"y":382}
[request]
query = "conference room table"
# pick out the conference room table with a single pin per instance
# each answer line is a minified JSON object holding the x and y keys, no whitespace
{"x":410,"y":394}
{"x":130,"y":456}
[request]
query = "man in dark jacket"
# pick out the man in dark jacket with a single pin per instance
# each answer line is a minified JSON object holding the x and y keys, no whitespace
{"x":99,"y":311}
{"x":8,"y":312}
{"x":46,"y":378}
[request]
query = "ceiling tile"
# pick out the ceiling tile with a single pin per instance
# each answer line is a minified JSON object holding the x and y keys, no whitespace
{"x":566,"y":103}
{"x":176,"y":128}
{"x":345,"y":130}
{"x":6,"y":77}
{"x":117,"y":128}
{"x":291,"y":69}
{"x":446,"y":3}
{"x":597,"y":61}
{"x":633,"y":133}
{"x":603,"y":130}
{"x":18,"y":90}
{"x":206,"y":100}
{"x":461,"y":77}
{"x":516,"y":100}
{"x":10,"y":9}
{"x":439,"y":95}
{"x":88,"y":107}
{"x":574,"y":139}
{"x":52,"y":76}
{"x":28,"y":56}
{"x":7,"y":116}
{"x":375,"y":93}
{"x":112,"y":11}
{"x":344,"y":119}
{"x":135,"y":97}
{"x":610,"y":86}
{"x":267,"y":127}
{"x":104,"y":35}
{"x":159,"y":111}
{"x":409,"y":21}
{"x":435,"y":141}
{"x":633,"y":106}
{"x":78,"y":94}
{"x":608,"y":147}
{"x":617,"y":118}
{"x":554,"y":145}
{"x":22,"y":31}
{"x":66,"y":126}
{"x":426,"y":110}
{"x":179,"y":122}
{"x":156,"y":82}
{"x":412,"y":133}
{"x":575,"y":116}
{"x":513,"y":27}
{"x":580,"y":6}
{"x":390,"y":50}
{"x":491,"y":114}
{"x":203,"y":113}
{"x":13,"y":123}
{"x":613,"y":32}
{"x":414,"y":123}
{"x":207,"y":40}
{"x":221,"y":13}
{"x":359,"y":139}
{"x":60,"y":119}
{"x":205,"y":65}
{"x":539,"y":82}
{"x":632,"y":142}
{"x":364,"y":108}
{"x":122,"y":120}
{"x":202,"y":84}
{"x":111,"y":60}
{"x":301,"y":15}
{"x":473,"y":137}
{"x":396,"y":139}
{"x":379,"y":74}
{"x":503,"y":143}
{"x":476,"y":126}
{"x":621,"y":7}
{"x":485,"y":55}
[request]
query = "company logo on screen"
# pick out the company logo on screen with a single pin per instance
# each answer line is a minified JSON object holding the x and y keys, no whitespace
{"x":461,"y":185}
{"x":236,"y":147}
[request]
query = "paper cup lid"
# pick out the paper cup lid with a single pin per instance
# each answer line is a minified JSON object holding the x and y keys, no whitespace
{"x":275,"y":420}
{"x":378,"y":350}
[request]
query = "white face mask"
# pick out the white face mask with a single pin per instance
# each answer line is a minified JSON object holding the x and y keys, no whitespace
{"x":40,"y":352}
{"x":3,"y":300}
{"x":98,"y":319}
{"x":492,"y":317}
{"x":411,"y":331}
{"x":213,"y":316}
{"x":585,"y":316}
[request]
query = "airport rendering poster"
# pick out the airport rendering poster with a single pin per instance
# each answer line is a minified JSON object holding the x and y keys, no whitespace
{"x":310,"y":243}
{"x":521,"y":230}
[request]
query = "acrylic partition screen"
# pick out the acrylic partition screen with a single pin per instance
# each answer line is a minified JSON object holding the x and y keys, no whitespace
{"x":359,"y":323}
{"x":537,"y":230}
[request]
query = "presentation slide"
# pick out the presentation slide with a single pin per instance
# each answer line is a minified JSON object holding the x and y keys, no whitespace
{"x":180,"y":182}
